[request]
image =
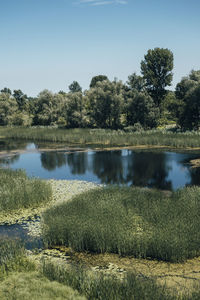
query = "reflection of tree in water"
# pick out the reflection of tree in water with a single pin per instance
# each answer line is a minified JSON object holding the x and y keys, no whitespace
{"x":9,"y":160}
{"x":148,"y":169}
{"x":12,"y":145}
{"x":78,"y":162}
{"x":194,"y":176}
{"x":108,"y":167}
{"x":193,"y":173}
{"x":51,"y":160}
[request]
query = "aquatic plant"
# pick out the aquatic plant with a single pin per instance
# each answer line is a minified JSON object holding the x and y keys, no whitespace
{"x":105,"y":137}
{"x":12,"y":257}
{"x":18,"y":191}
{"x":106,"y":287}
{"x":128,"y":221}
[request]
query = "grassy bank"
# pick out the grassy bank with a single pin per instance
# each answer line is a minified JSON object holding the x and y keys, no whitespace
{"x":20,"y":281}
{"x":128,"y":221}
{"x":102,"y":287}
{"x":17,"y":191}
{"x":101,"y":137}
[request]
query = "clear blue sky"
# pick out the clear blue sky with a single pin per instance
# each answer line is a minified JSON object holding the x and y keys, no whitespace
{"x":50,"y":43}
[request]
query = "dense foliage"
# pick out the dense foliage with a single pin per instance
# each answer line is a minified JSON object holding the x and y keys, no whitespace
{"x":128,"y":221}
{"x":143,"y":101}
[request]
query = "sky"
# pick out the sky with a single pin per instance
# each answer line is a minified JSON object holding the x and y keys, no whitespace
{"x":47,"y":44}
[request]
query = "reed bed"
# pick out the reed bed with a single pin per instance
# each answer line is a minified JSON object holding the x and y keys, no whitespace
{"x":109,"y":287}
{"x":12,"y":258}
{"x":17,"y":191}
{"x":128,"y":221}
{"x":105,"y":137}
{"x":106,"y":287}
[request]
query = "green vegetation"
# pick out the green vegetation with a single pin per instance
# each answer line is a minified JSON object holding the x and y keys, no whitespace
{"x":128,"y":221}
{"x":17,"y":191}
{"x":102,"y":287}
{"x":12,"y":258}
{"x":34,"y":286}
{"x":142,"y":101}
{"x":157,"y":71}
{"x":20,"y":281}
{"x":106,"y":137}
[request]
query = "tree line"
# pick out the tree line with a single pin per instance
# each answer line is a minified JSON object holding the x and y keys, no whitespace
{"x":143,"y":102}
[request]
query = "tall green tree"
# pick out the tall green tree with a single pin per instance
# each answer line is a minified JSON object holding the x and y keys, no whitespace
{"x":135,"y":82}
{"x":156,"y":69}
{"x":74,"y":110}
{"x":189,"y":117}
{"x":6,"y":91}
{"x":49,"y":108}
{"x":8,"y":109}
{"x":96,"y":79}
{"x":21,"y":99}
{"x":104,"y":104}
{"x":187,"y":83}
{"x":75,"y":87}
{"x":140,"y":108}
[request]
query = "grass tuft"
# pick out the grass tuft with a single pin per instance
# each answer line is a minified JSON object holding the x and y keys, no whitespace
{"x":17,"y":191}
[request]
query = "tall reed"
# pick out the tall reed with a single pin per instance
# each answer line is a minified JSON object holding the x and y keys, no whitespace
{"x":17,"y":191}
{"x":104,"y":287}
{"x":104,"y":137}
{"x":128,"y":221}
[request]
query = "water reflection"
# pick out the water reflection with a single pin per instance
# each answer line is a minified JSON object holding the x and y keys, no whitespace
{"x":149,"y":169}
{"x":78,"y":162}
{"x":51,"y":160}
{"x":158,"y":169}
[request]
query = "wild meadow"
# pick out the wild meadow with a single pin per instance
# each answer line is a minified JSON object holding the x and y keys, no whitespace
{"x":128,"y":221}
{"x":105,"y":137}
{"x":17,"y":191}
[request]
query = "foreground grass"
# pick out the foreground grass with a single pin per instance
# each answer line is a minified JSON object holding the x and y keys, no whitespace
{"x":104,"y":287}
{"x":12,"y":258}
{"x":128,"y":221}
{"x":34,"y":286}
{"x":17,"y":191}
{"x":104,"y":137}
{"x":19,"y":280}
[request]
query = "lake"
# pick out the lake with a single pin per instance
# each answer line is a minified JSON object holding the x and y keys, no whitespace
{"x":165,"y":170}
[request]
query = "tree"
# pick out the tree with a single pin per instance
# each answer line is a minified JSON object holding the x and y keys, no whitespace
{"x":75,"y":87}
{"x":140,"y":108}
{"x":189,"y":117}
{"x":104,"y":103}
{"x":96,"y":79}
{"x":48,"y":108}
{"x":135,"y":82}
{"x":8,"y":108}
{"x":6,"y":91}
{"x":21,"y":99}
{"x":74,"y":110}
{"x":157,"y":71}
{"x":187,"y":83}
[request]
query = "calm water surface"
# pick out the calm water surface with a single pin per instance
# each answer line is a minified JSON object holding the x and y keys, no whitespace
{"x":159,"y":169}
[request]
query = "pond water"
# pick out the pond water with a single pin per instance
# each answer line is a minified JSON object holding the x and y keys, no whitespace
{"x":157,"y":169}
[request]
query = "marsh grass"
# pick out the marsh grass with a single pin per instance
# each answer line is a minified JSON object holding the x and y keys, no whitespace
{"x":105,"y":137}
{"x":13,"y":258}
{"x":20,"y":281}
{"x":106,"y":287}
{"x":128,"y":221}
{"x":34,"y":286}
{"x":17,"y":191}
